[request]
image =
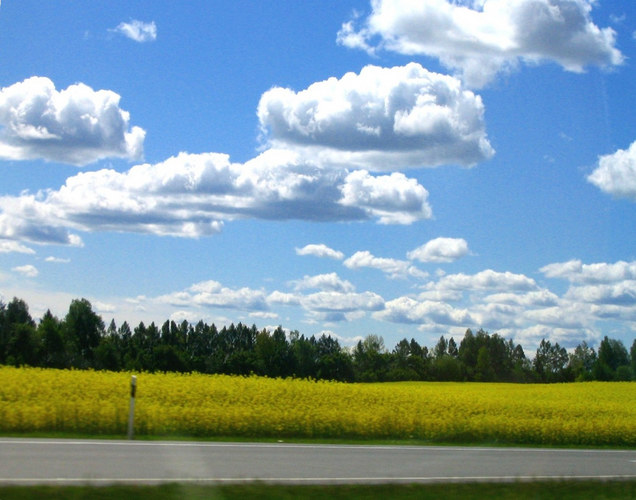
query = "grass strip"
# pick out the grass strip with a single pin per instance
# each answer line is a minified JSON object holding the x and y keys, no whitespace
{"x":562,"y":490}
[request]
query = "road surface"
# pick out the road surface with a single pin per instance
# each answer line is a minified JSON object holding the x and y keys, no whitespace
{"x":57,"y":461}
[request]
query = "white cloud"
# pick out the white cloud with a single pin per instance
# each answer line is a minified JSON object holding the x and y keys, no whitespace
{"x":481,"y":38}
{"x":393,"y":199}
{"x":601,"y":272}
{"x":408,"y":310}
{"x":619,"y":294}
{"x":77,"y":125}
{"x":566,"y":337}
{"x":103,"y":307}
{"x":282,"y":298}
{"x":326,"y":282}
{"x":27,"y":270}
{"x":486,"y":280}
{"x":380,"y":119}
{"x":334,"y":306}
{"x":616,"y":173}
{"x":539,"y":298}
{"x":393,"y":267}
{"x":192,"y":195}
{"x":440,"y":250}
{"x":263,"y":315}
{"x":57,"y":260}
{"x":320,"y":250}
{"x":14,"y":246}
{"x":565,"y":315}
{"x":138,"y":31}
{"x":211,"y":294}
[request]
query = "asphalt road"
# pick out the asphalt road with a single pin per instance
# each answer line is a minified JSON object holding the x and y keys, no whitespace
{"x":46,"y":461}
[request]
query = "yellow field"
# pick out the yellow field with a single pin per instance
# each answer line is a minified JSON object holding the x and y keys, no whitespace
{"x":87,"y":402}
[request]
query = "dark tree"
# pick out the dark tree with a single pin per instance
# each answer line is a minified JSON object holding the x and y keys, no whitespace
{"x":84,"y":329}
{"x":22,"y":348}
{"x":370,"y":359}
{"x":441,"y":348}
{"x":582,"y":362}
{"x":18,"y":342}
{"x":304,"y":354}
{"x":452,"y":348}
{"x":632,"y":353}
{"x":550,"y":362}
{"x":612,"y":355}
{"x":53,"y":349}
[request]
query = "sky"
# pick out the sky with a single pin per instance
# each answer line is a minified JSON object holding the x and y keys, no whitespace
{"x":402,"y":168}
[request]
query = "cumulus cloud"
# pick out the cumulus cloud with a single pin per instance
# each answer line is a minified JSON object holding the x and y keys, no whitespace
{"x":480,"y":38}
{"x":14,"y":246}
{"x":601,"y":272}
{"x":379,"y":119}
{"x":408,"y":310}
{"x":440,"y":250}
{"x":138,"y":31}
{"x":393,"y":199}
{"x":27,"y":270}
{"x":192,"y":195}
{"x":539,"y":298}
{"x":77,"y":125}
{"x":566,"y":337}
{"x":393,"y":267}
{"x":339,"y":306}
{"x":282,"y":298}
{"x":57,"y":260}
{"x":320,"y":250}
{"x":616,"y":173}
{"x":327,"y":282}
{"x":212,"y":294}
{"x":486,"y":280}
{"x":619,"y":294}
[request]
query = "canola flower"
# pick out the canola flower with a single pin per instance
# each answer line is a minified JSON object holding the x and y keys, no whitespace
{"x":90,"y":402}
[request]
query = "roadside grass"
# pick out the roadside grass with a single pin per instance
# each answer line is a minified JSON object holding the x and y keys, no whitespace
{"x":303,"y":440}
{"x":562,"y":490}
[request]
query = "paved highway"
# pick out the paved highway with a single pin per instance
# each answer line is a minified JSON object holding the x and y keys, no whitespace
{"x":46,"y":461}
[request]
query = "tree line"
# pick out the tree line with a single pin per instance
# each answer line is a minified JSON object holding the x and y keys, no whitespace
{"x":82,"y":340}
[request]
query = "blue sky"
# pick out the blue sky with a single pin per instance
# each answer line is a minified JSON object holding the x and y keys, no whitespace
{"x":400,"y":168}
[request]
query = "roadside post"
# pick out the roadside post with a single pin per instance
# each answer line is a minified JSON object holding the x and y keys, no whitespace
{"x":131,"y":413}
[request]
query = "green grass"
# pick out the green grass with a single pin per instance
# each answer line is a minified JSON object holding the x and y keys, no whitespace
{"x":562,"y":490}
{"x":303,"y":440}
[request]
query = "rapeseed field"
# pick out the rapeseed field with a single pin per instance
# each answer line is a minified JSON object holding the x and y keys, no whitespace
{"x":91,"y":402}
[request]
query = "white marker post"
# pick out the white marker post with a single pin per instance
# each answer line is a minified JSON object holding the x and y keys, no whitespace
{"x":131,"y":413}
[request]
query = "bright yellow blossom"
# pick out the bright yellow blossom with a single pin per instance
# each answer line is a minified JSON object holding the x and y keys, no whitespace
{"x":90,"y":402}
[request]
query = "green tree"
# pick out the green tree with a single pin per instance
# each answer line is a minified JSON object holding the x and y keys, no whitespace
{"x":582,"y":362}
{"x":23,"y":346}
{"x":447,"y":368}
{"x":550,"y":363}
{"x":612,"y":355}
{"x":484,"y":371}
{"x":304,"y":355}
{"x":18,"y":334}
{"x":199,"y":346}
{"x":441,"y":348}
{"x":272,"y":353}
{"x":402,"y":366}
{"x":53,"y":348}
{"x":371,"y":361}
{"x":167,"y":358}
{"x":84,"y":329}
{"x":452,"y":348}
{"x":333,"y":363}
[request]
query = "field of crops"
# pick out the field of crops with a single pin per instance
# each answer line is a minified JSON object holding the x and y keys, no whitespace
{"x":88,"y":402}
